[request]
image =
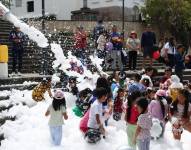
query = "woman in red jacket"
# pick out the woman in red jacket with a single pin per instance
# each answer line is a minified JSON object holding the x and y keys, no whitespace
{"x":80,"y":38}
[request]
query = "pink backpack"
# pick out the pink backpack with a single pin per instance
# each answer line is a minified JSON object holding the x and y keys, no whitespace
{"x":84,"y":122}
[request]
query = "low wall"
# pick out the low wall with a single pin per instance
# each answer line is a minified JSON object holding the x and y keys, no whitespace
{"x":53,"y":26}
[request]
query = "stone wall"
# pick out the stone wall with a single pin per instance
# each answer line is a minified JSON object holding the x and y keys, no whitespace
{"x":65,"y":26}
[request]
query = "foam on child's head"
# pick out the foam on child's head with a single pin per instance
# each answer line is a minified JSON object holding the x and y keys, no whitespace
{"x":175,"y":78}
{"x":58,"y":94}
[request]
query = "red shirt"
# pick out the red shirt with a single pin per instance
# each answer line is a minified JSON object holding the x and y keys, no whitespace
{"x":134,"y":115}
{"x":80,"y":40}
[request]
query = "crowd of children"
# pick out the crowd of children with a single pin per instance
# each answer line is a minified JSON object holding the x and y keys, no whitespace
{"x":116,"y":96}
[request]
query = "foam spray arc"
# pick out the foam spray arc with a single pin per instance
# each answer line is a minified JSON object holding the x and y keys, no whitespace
{"x":31,"y":31}
{"x":38,"y":37}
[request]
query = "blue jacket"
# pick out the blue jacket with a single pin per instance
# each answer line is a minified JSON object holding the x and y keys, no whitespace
{"x":148,"y":39}
{"x":179,"y":61}
{"x":97,"y":31}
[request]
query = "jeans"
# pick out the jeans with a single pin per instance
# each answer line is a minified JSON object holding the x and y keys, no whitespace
{"x":56,"y":134}
{"x":143,"y":144}
{"x":17,"y":54}
{"x":132,"y":60}
{"x":116,"y":56}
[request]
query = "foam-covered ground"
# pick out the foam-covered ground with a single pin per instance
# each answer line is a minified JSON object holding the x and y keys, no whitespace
{"x":30,"y":131}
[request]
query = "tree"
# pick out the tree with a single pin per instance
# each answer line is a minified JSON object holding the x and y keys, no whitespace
{"x":7,"y":3}
{"x":170,"y":15}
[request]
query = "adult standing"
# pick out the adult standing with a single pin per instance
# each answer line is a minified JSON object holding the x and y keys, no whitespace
{"x":133,"y":45}
{"x":148,"y":40}
{"x":179,"y":62}
{"x":98,"y":30}
{"x":17,"y":39}
{"x":170,"y":49}
{"x":117,"y":42}
{"x":80,"y":42}
{"x":188,"y":59}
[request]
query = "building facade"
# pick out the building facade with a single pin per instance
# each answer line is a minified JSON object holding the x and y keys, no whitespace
{"x":33,"y":8}
{"x":111,"y":3}
{"x":108,"y":9}
{"x":112,"y":9}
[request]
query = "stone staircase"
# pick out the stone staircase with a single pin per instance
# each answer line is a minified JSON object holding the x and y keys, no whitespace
{"x":5,"y":105}
{"x":32,"y":57}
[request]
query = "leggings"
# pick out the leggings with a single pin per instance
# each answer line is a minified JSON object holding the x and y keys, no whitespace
{"x":143,"y":144}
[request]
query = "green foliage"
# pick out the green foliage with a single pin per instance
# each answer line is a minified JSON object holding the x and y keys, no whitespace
{"x":170,"y":15}
{"x":7,"y":3}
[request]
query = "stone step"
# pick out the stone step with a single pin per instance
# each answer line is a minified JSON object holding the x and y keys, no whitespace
{"x":3,"y":108}
{"x":4,"y":119}
{"x":32,"y":77}
{"x":26,"y":71}
{"x":20,"y":87}
{"x":2,"y":98}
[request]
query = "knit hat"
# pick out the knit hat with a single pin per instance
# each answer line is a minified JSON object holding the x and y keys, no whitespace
{"x":58,"y":94}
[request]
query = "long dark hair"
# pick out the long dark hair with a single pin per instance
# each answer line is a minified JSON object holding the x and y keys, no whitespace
{"x":160,"y":98}
{"x":99,"y":92}
{"x":131,"y":99}
{"x":103,"y":82}
{"x":58,"y":103}
{"x":174,"y":108}
{"x":143,"y":103}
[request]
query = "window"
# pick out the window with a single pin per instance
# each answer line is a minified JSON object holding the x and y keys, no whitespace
{"x":30,"y":6}
{"x":18,"y":3}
